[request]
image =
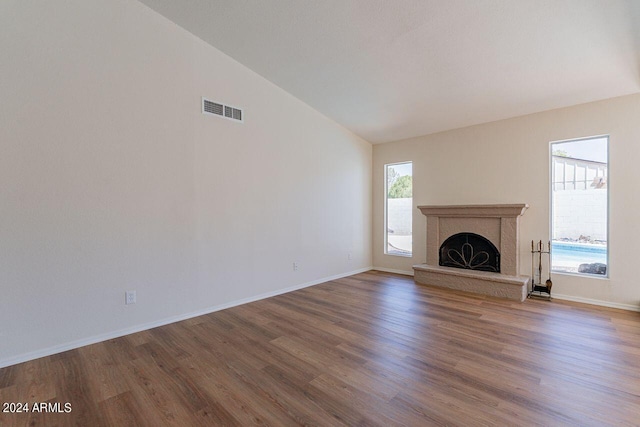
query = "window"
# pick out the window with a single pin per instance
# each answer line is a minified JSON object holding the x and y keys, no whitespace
{"x":398,"y":209}
{"x":579,"y":206}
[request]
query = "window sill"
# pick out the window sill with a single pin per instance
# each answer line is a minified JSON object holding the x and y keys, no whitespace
{"x":399,"y":254}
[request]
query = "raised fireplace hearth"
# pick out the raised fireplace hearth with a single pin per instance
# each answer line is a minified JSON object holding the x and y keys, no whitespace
{"x":474,"y":248}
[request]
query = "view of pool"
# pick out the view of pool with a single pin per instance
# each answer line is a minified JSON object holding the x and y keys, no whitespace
{"x":567,"y":256}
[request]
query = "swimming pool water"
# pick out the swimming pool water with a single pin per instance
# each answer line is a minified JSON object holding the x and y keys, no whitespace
{"x":570,"y":255}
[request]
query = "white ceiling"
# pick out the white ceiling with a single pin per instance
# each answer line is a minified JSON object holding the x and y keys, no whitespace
{"x":394,"y":69}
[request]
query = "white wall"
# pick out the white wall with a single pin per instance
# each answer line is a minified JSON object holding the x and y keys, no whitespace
{"x":508,"y":162}
{"x":111,"y":179}
{"x":580,"y":213}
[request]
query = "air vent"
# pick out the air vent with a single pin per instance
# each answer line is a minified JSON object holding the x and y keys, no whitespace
{"x":222,"y":110}
{"x":212,"y":107}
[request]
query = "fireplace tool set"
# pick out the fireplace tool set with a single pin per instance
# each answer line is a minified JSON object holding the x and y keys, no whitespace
{"x":539,"y":289}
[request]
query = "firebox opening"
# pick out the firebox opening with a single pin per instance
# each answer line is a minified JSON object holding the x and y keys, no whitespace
{"x":470,"y":251}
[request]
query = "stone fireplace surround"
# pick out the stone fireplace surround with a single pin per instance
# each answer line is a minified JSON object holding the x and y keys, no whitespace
{"x":497,"y":223}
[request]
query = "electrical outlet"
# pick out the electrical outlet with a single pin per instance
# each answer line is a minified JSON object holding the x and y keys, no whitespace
{"x":349,"y":257}
{"x":295,"y":266}
{"x":130,"y":297}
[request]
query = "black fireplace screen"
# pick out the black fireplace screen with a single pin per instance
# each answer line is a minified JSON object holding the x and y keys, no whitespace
{"x":470,"y":251}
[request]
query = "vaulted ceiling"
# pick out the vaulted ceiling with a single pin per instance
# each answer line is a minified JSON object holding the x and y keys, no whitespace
{"x":394,"y":69}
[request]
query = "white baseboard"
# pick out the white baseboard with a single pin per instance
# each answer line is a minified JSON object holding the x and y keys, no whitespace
{"x":138,"y":328}
{"x":145,"y":326}
{"x":601,"y":303}
{"x":391,"y":270}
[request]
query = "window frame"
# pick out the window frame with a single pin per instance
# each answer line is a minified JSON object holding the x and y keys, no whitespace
{"x":551,"y":206}
{"x":385,"y":218}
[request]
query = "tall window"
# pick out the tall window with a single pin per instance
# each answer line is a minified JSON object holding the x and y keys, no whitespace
{"x":579,"y":206}
{"x":398,"y":209}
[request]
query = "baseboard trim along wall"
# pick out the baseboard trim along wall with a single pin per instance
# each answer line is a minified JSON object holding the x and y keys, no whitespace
{"x":629,"y":307}
{"x":139,"y":328}
{"x":127,"y":331}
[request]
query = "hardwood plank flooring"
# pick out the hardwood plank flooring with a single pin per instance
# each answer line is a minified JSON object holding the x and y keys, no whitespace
{"x":372,"y":349}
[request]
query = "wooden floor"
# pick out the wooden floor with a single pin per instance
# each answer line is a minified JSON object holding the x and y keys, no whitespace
{"x":370,"y":349}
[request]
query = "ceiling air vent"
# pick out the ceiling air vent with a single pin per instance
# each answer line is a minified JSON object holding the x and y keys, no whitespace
{"x":222,"y":110}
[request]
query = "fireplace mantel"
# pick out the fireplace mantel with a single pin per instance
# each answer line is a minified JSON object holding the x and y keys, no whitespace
{"x":475,"y":211}
{"x":499,"y":223}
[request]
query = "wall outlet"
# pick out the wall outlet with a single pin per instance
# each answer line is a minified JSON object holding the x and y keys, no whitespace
{"x":295,"y":266}
{"x":130,"y":297}
{"x":349,"y":256}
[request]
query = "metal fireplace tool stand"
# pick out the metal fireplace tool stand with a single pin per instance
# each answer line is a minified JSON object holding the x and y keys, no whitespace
{"x":540,"y":289}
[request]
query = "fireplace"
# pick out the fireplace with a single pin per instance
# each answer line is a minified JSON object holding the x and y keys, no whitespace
{"x":474,"y":248}
{"x":470,"y":251}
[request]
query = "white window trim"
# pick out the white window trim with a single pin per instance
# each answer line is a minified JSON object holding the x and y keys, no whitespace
{"x":550,"y":186}
{"x":386,"y":198}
